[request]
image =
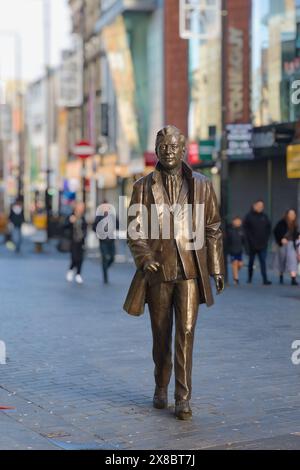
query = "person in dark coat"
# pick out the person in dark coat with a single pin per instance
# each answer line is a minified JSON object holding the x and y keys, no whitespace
{"x":16,"y":217}
{"x":286,"y":234}
{"x":107,"y":243}
{"x":235,"y":246}
{"x":77,"y":226}
{"x":257,"y":227}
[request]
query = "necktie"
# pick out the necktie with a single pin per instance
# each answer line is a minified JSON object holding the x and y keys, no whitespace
{"x":173,"y":184}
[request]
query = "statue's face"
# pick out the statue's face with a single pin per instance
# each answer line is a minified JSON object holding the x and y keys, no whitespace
{"x":170,"y":152}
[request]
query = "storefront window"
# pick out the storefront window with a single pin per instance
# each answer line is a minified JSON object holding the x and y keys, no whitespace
{"x":275,"y":60}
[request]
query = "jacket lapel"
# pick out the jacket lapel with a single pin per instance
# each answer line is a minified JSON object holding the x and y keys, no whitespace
{"x":192,"y":190}
{"x":183,"y":192}
{"x":159,"y":195}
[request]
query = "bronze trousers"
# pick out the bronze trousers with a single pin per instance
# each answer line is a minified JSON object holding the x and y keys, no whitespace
{"x":181,"y":296}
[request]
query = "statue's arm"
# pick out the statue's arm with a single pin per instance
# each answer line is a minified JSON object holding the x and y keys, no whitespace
{"x":137,"y":230}
{"x":213,"y":235}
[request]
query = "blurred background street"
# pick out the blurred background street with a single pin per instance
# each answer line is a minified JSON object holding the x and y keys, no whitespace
{"x":80,"y":373}
{"x":85,"y":85}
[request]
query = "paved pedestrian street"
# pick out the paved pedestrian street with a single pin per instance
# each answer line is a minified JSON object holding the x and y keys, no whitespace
{"x":79,"y":372}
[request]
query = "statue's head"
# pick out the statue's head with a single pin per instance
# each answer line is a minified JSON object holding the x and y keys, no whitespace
{"x":170,"y":147}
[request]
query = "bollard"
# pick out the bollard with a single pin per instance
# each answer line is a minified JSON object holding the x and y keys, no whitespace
{"x":2,"y":353}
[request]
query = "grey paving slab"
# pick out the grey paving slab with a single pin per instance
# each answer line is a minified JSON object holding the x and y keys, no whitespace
{"x":80,"y":373}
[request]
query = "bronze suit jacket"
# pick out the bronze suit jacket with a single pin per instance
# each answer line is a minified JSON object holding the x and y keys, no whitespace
{"x":149,"y":192}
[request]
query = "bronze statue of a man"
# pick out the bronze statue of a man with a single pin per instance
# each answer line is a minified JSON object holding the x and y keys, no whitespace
{"x":173,"y":270}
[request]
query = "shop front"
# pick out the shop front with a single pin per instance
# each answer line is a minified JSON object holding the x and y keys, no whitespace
{"x":265,"y":175}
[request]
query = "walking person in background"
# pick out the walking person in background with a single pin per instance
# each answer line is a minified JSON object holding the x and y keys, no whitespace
{"x":77,"y":226}
{"x":257,"y":228}
{"x":235,"y":243}
{"x":107,"y":244}
{"x":286,"y":234}
{"x":40,"y":222}
{"x":16,"y":217}
{"x":298,"y":253}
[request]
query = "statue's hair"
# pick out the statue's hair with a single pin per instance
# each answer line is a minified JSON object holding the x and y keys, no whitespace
{"x":169,"y":130}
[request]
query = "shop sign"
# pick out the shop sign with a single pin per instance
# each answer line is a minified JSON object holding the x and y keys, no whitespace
{"x":293,"y":161}
{"x":199,"y":19}
{"x":71,"y":76}
{"x":264,"y":139}
{"x":239,"y":141}
{"x":207,"y":149}
{"x":193,"y":153}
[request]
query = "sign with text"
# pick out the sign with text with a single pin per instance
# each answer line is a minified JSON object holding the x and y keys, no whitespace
{"x":200,"y":19}
{"x":293,"y":161}
{"x":193,"y":153}
{"x":71,"y":76}
{"x":207,"y":149}
{"x":239,"y":141}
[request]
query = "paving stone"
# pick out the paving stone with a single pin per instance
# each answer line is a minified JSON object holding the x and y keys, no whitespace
{"x":80,"y":373}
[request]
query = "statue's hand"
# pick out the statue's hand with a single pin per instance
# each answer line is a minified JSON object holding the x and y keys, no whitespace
{"x":220,"y":283}
{"x":151,"y":266}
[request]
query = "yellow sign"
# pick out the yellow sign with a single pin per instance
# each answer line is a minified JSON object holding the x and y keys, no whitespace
{"x":293,"y":161}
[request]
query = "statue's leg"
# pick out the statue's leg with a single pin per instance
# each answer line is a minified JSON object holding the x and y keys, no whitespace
{"x":159,"y":298}
{"x":186,"y":302}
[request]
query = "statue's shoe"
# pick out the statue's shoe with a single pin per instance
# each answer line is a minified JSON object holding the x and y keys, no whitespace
{"x":183,"y":410}
{"x":160,"y":398}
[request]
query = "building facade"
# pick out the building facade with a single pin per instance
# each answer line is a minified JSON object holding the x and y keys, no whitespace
{"x":245,"y":76}
{"x":139,"y":74}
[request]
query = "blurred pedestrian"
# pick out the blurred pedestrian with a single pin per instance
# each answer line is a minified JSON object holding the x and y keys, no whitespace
{"x":286,"y":235}
{"x":235,"y":245}
{"x":40,"y":222}
{"x":257,"y":228}
{"x":77,"y":226}
{"x":298,"y":253}
{"x":107,"y":243}
{"x":16,"y":218}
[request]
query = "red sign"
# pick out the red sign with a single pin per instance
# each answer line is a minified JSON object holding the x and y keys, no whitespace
{"x":193,"y":153}
{"x":150,"y":158}
{"x":83,"y":149}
